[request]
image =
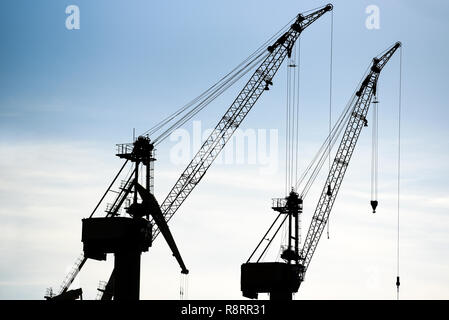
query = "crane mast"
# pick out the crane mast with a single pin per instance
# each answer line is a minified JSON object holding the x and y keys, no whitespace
{"x":256,"y":85}
{"x":345,"y":150}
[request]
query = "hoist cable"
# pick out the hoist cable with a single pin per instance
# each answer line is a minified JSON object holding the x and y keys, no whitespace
{"x":272,"y":238}
{"x":208,"y":96}
{"x":374,"y":152}
{"x":202,"y":105}
{"x":108,"y":189}
{"x":230,"y":75}
{"x":322,"y":160}
{"x":322,"y":154}
{"x":218,"y":91}
{"x":337,"y":129}
{"x":263,"y":238}
{"x":182,"y":109}
{"x":287,"y":132}
{"x":298,"y":63}
{"x":377,"y":150}
{"x":293,"y":118}
{"x":292,"y":121}
{"x":399,"y":167}
{"x":330,"y":98}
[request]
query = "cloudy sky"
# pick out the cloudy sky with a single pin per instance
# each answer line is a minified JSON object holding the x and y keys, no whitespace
{"x":68,"y":96}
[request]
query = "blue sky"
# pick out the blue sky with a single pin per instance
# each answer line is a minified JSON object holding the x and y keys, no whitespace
{"x":138,"y":53}
{"x":68,"y":96}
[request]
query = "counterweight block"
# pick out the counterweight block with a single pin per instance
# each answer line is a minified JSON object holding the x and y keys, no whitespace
{"x":277,"y":278}
{"x":110,"y":235}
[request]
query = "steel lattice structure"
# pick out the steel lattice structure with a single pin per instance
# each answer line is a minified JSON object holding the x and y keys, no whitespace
{"x":344,"y":153}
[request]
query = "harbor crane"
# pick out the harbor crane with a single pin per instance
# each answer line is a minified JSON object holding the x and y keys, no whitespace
{"x":282,"y":279}
{"x":127,"y":237}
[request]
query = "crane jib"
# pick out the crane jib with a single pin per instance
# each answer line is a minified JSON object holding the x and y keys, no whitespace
{"x":343,"y":155}
{"x":256,"y":85}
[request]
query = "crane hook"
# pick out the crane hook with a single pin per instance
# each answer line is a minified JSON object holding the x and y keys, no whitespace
{"x":374,"y":204}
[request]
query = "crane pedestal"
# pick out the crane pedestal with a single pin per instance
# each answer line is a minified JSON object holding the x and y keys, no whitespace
{"x":127,"y":274}
{"x":127,"y":238}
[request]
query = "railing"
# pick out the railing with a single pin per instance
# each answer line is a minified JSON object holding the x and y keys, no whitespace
{"x":278,"y":203}
{"x":124,"y":148}
{"x":49,"y":293}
